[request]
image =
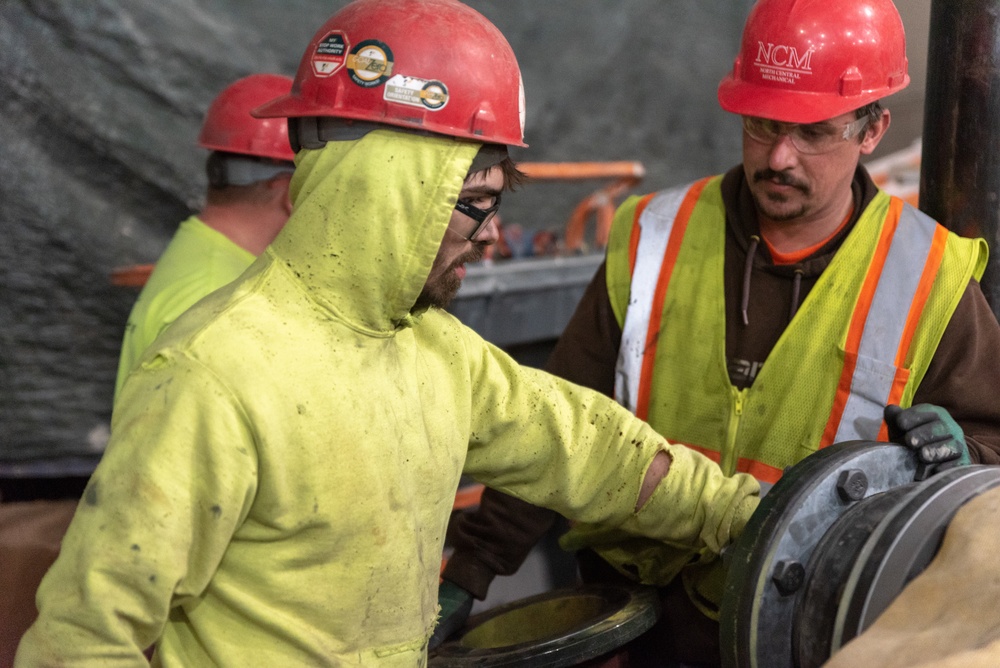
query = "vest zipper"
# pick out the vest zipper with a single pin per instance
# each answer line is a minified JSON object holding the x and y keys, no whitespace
{"x":730,"y":457}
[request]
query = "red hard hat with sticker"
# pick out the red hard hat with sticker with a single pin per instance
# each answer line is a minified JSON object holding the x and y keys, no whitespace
{"x":229,"y":126}
{"x":434,"y":65}
{"x":804,"y":61}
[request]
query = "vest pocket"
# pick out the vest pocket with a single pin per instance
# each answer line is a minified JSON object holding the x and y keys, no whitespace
{"x":874,"y":384}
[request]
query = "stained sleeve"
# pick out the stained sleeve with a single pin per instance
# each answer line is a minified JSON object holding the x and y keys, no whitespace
{"x":497,"y":537}
{"x":963,"y":375}
{"x":565,"y":447}
{"x":177,"y":478}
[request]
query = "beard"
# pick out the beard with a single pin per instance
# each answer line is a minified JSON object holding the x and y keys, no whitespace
{"x":774,"y":205}
{"x":441,"y":290}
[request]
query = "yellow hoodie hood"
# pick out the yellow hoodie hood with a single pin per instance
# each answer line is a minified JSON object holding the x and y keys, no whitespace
{"x":368,"y":220}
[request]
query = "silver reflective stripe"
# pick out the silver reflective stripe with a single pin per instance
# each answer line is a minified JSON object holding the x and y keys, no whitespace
{"x":655,"y":223}
{"x":883,"y":330}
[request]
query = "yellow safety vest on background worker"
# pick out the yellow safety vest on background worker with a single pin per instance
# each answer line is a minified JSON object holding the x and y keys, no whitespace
{"x":884,"y":301}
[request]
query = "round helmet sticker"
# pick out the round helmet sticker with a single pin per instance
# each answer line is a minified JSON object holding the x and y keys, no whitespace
{"x":370,"y":63}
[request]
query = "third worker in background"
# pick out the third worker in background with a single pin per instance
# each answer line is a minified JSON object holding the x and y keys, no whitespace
{"x":249,"y":168}
{"x":759,"y":315}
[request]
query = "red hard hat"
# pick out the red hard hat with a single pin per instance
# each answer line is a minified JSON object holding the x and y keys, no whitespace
{"x":804,"y":61}
{"x":229,"y":126}
{"x":434,"y":65}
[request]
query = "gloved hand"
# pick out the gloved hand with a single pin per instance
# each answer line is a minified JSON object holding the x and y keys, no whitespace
{"x":456,"y":603}
{"x":932,"y":433}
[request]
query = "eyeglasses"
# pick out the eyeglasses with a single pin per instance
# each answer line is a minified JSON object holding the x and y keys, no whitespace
{"x":481,"y":217}
{"x":811,"y":138}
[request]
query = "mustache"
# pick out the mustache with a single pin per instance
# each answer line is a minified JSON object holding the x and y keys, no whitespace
{"x":474,"y":255}
{"x":781,"y":178}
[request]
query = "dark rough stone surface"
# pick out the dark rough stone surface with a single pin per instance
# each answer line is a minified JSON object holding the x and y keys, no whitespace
{"x":102,"y":100}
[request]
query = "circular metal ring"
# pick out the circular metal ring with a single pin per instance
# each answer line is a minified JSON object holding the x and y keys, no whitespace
{"x":768,"y":563}
{"x":831,"y":561}
{"x":558,"y":628}
{"x":903,"y":545}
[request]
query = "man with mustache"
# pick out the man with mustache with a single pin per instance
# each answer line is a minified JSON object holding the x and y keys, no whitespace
{"x":284,"y":459}
{"x":762,"y":314}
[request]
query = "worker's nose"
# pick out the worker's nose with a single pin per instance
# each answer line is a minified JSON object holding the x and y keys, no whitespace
{"x":490,"y":234}
{"x":783,"y":153}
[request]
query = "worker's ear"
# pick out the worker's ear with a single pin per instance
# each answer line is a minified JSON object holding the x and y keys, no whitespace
{"x":280,"y":189}
{"x":874,"y":133}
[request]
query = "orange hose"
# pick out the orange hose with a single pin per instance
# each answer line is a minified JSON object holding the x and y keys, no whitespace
{"x":468,"y":496}
{"x":568,"y":171}
{"x":132,"y":276}
{"x":601,"y":203}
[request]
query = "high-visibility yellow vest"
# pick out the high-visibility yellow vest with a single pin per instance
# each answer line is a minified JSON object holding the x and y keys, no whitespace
{"x":863,"y":337}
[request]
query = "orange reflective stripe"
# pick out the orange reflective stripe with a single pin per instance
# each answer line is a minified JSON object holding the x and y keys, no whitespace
{"x":759,"y":470}
{"x":839,"y":400}
{"x":663,"y":282}
{"x":931,"y":267}
{"x":714,"y":455}
{"x":895,"y":394}
{"x":633,"y":240}
{"x":930,"y":271}
{"x":895,"y":291}
{"x":858,"y":319}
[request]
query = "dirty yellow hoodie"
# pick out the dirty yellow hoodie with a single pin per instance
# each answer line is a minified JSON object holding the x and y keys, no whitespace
{"x":283,"y":461}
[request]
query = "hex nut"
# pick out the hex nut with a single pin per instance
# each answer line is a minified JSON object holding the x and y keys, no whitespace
{"x":788,"y":576}
{"x":852,"y":485}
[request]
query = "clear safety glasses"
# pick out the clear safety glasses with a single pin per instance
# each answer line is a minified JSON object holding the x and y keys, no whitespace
{"x":810,"y":138}
{"x":480,"y":215}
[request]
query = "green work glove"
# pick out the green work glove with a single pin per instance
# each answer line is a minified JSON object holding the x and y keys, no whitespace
{"x":456,"y":603}
{"x":931,"y":432}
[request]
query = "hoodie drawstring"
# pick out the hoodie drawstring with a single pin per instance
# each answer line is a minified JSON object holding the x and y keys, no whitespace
{"x":796,"y":286}
{"x":747,"y":269}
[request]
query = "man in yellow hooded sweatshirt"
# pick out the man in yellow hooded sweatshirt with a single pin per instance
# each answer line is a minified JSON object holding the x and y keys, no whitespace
{"x":284,"y":459}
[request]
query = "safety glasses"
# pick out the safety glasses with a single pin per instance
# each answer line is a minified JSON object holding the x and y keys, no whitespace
{"x":810,"y":138}
{"x":481,"y":217}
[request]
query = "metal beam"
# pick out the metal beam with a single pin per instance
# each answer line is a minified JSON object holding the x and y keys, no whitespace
{"x":960,"y":166}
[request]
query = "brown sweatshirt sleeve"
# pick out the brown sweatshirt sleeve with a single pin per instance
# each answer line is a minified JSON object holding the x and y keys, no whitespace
{"x":587,"y":351}
{"x":964,"y":376}
{"x":496,"y":538}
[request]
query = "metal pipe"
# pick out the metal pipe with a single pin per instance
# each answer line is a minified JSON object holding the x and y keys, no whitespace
{"x":960,"y":166}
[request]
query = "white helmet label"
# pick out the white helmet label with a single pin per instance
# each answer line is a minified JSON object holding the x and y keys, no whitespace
{"x":416,"y":92}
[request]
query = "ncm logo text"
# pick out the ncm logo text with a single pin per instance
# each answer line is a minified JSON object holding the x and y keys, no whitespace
{"x":779,"y":55}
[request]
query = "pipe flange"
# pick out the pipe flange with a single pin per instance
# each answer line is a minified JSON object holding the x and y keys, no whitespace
{"x":769,"y":563}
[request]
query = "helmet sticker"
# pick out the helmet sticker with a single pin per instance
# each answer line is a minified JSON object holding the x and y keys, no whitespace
{"x":329,"y":54}
{"x":416,"y":92}
{"x":370,"y":63}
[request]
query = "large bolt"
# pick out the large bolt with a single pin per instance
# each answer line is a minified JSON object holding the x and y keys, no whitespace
{"x":852,"y":485}
{"x":788,"y":576}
